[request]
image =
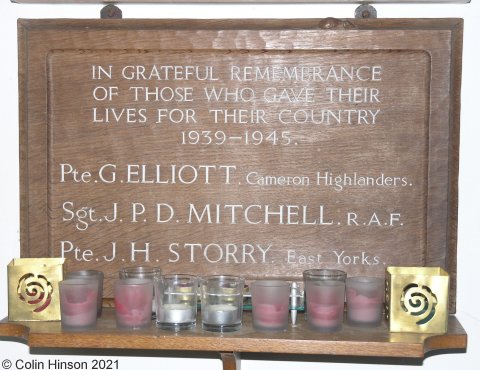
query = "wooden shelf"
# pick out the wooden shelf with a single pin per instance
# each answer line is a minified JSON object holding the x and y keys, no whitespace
{"x":350,"y":341}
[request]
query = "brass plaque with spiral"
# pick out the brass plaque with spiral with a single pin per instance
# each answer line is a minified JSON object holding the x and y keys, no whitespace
{"x":417,"y":299}
{"x":33,"y":289}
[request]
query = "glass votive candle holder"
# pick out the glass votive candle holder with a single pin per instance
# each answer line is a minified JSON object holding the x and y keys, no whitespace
{"x":141,"y":272}
{"x":365,"y":297}
{"x":270,"y":304}
{"x":133,"y":302}
{"x":78,"y":302}
{"x":222,"y":302}
{"x":90,"y":274}
{"x":176,"y":301}
{"x":325,"y":298}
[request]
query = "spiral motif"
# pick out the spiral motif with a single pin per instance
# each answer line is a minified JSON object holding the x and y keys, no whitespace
{"x":419,"y":302}
{"x":35,"y":290}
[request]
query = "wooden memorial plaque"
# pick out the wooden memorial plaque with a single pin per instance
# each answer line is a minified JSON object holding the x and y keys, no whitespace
{"x":260,"y":148}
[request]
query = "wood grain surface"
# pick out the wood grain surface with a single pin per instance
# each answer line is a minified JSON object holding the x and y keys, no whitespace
{"x":145,"y":178}
{"x":350,"y":340}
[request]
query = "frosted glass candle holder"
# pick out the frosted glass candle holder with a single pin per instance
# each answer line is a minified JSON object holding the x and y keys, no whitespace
{"x":78,"y":302}
{"x":141,"y":272}
{"x":365,"y":297}
{"x":270,"y":304}
{"x":133,"y":302}
{"x":325,"y":298}
{"x":90,"y":274}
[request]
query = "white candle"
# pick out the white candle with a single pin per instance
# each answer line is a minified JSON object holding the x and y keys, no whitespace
{"x":220,"y":314}
{"x":175,"y":313}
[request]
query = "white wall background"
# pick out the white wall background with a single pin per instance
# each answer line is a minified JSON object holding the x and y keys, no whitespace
{"x":469,"y":192}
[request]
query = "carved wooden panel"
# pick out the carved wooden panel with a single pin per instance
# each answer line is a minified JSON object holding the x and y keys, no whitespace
{"x":260,"y":148}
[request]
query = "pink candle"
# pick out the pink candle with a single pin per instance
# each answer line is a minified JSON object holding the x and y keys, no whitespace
{"x":133,"y":302}
{"x":327,"y":316}
{"x":270,"y":316}
{"x":78,"y":302}
{"x":365,"y":300}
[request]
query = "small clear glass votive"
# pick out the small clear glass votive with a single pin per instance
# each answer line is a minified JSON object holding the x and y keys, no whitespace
{"x":141,"y":272}
{"x":270,"y":304}
{"x":176,"y":301}
{"x":133,"y":302}
{"x":78,"y":302}
{"x":325,"y":298}
{"x":90,"y":274}
{"x":365,"y":297}
{"x":222,"y":302}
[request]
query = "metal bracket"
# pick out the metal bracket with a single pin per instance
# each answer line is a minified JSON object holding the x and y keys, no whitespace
{"x":366,"y":11}
{"x":111,"y":11}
